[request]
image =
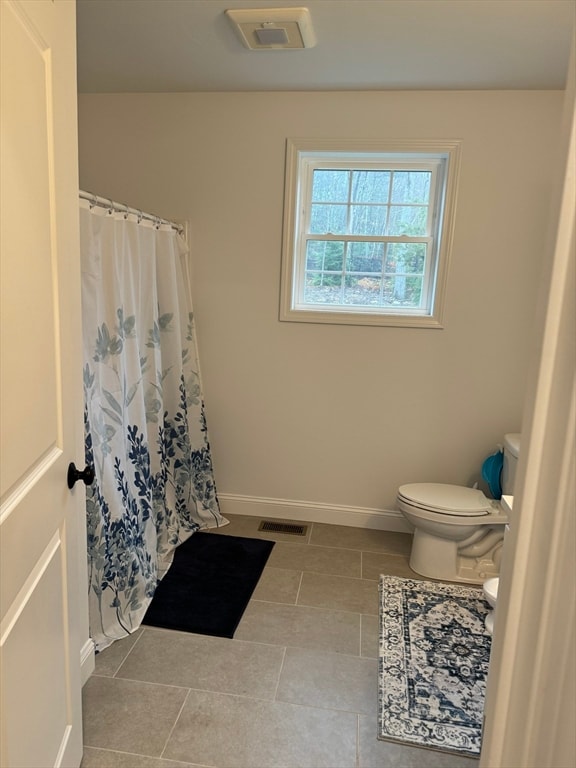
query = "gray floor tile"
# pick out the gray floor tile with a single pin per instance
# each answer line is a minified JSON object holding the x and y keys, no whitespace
{"x":129,"y":716}
{"x":109,"y":660}
{"x":278,"y":585}
{"x":376,"y":563}
{"x":301,"y":627}
{"x":340,"y":562}
{"x":237,"y":732}
{"x":369,"y":635}
{"x":321,"y":662}
{"x":106,"y":758}
{"x":339,"y":593}
{"x":361,"y":538}
{"x":329,"y":681}
{"x":374,"y":753}
{"x":207,"y":663}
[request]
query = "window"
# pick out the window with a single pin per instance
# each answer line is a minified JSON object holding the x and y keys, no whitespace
{"x":367,"y":229}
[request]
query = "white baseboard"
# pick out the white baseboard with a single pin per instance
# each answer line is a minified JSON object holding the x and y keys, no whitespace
{"x":312,"y":512}
{"x":87,"y":660}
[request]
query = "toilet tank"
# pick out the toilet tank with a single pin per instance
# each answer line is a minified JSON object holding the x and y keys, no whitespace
{"x":511,"y":452}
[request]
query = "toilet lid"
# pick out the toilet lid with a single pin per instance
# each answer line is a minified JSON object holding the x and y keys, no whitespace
{"x":446,"y":499}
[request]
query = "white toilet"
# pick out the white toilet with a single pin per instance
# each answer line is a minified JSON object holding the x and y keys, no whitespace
{"x":458,"y":531}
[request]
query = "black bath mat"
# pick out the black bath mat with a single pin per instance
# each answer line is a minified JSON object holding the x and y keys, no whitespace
{"x":209,"y":584}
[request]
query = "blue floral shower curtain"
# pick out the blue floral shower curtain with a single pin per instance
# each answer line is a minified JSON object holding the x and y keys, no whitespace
{"x":145,"y":427}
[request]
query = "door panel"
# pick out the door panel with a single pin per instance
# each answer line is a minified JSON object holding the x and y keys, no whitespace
{"x":28,"y":282}
{"x":40,"y":604}
{"x":42,"y":585}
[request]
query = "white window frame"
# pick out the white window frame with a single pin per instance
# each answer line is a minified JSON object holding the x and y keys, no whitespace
{"x":303,"y":156}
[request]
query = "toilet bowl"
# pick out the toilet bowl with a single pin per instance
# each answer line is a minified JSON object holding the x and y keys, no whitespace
{"x":458,"y":531}
{"x":490,"y":588}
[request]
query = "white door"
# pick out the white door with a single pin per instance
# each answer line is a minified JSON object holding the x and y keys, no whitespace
{"x":42,"y":586}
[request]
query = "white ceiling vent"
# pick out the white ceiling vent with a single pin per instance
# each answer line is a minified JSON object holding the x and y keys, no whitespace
{"x":274,"y":28}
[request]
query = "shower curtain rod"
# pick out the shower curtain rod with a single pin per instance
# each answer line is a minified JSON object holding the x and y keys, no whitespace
{"x":112,"y":207}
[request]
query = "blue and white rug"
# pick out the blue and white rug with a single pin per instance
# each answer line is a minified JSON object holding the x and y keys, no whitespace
{"x":433,"y":663}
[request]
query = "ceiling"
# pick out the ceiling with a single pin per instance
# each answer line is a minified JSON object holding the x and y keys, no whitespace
{"x":189,"y":45}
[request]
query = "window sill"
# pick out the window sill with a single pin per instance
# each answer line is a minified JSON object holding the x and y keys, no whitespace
{"x":360,"y":318}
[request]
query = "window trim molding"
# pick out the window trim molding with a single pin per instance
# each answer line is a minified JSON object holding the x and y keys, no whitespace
{"x":295,"y":147}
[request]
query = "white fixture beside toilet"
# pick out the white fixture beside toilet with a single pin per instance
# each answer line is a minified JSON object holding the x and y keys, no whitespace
{"x":490,"y":588}
{"x":458,"y":531}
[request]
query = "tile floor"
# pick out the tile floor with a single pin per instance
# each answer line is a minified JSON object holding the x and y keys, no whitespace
{"x":295,"y":688}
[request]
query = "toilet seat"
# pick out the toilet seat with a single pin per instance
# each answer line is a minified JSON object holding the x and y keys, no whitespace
{"x":444,"y":499}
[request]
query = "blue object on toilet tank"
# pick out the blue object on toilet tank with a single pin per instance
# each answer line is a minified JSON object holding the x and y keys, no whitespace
{"x":492,"y":471}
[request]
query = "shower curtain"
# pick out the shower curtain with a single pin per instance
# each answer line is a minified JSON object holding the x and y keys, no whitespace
{"x":145,"y":428}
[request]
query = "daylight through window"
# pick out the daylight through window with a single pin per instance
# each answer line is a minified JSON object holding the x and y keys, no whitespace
{"x":366,"y":233}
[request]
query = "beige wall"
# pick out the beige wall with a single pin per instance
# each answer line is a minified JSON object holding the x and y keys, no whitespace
{"x":331,"y":414}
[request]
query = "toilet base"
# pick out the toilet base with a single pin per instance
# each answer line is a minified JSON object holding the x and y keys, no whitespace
{"x":438,"y":558}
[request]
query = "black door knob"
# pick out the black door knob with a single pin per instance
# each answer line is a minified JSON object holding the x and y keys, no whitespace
{"x":86,"y":475}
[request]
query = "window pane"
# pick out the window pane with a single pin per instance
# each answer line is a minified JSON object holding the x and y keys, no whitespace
{"x":370,"y":186}
{"x":363,"y":291}
{"x":411,"y":186}
{"x":322,"y":255}
{"x":368,"y":219}
{"x":406,"y":258}
{"x":403,"y":291}
{"x":408,"y":220}
{"x":314,"y":254}
{"x":365,"y":257}
{"x":322,"y":288}
{"x":328,"y":218}
{"x":330,"y":186}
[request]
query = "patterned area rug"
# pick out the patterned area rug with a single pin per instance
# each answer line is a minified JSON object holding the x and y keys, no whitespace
{"x":433,"y":663}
